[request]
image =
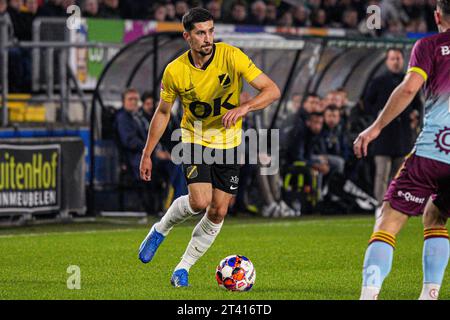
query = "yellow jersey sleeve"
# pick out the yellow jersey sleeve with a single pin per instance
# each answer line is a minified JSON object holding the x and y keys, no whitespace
{"x":168,"y":92}
{"x":245,"y":66}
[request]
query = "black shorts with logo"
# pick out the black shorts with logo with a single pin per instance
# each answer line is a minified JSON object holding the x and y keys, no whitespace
{"x":223,"y":175}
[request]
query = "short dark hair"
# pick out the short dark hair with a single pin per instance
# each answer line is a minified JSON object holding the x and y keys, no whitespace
{"x":146,"y":95}
{"x":195,"y":15}
{"x":444,"y":5}
{"x":312,"y":94}
{"x":332,"y":108}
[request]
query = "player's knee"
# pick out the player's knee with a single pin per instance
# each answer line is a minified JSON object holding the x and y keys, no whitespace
{"x":432,"y":217}
{"x":217,"y":213}
{"x":200,"y":203}
{"x":390,"y":220}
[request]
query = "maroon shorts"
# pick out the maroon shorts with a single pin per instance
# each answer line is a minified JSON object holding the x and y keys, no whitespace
{"x":419,"y":179}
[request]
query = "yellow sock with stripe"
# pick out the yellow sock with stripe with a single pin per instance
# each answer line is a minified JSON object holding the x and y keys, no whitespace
{"x":377,"y":264}
{"x":435,"y":259}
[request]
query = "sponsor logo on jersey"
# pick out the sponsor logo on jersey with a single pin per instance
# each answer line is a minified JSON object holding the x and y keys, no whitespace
{"x":225,"y":80}
{"x":410,"y":197}
{"x":445,"y":50}
{"x":192,"y":172}
{"x":443,"y":140}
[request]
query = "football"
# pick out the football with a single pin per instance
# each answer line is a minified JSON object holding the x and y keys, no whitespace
{"x":236,"y":273}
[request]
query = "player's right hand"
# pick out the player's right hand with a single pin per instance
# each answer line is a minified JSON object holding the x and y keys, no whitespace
{"x":362,"y":142}
{"x":145,"y":167}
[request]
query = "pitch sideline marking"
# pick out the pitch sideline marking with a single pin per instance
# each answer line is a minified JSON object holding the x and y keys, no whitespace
{"x":244,"y":225}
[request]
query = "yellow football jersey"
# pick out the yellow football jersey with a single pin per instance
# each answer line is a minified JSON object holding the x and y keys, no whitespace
{"x":208,"y":93}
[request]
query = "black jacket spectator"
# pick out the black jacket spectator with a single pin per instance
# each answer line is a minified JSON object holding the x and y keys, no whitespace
{"x":18,"y":23}
{"x":336,"y":141}
{"x":108,"y":12}
{"x":52,"y":9}
{"x":304,"y":143}
{"x":132,"y":9}
{"x":27,"y":20}
{"x":132,"y":137}
{"x":397,"y":138}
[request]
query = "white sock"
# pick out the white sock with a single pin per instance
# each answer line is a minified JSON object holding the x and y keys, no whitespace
{"x":203,"y":236}
{"x":179,"y":211}
{"x":370,"y":293}
{"x":430,"y":291}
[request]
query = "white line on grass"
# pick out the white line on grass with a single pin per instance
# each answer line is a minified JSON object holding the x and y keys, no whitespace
{"x":242,"y":225}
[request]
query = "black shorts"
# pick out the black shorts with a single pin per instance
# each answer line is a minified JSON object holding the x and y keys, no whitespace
{"x":222,"y":175}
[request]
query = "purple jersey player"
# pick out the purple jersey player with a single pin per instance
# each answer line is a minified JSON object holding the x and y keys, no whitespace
{"x":422,"y":185}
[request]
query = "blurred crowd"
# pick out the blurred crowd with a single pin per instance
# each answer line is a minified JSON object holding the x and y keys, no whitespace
{"x":320,"y":131}
{"x":398,"y":16}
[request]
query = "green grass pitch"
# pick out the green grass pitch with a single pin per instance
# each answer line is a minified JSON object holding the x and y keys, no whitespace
{"x":307,"y":258}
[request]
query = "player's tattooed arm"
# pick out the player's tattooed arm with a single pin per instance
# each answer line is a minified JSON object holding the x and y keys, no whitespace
{"x":399,"y":100}
{"x":268,"y":93}
{"x":158,"y":125}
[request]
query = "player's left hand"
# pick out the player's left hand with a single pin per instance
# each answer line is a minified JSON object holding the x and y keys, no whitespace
{"x":364,"y":139}
{"x":232,"y":116}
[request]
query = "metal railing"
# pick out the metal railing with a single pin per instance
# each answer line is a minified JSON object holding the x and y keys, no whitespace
{"x":52,"y":76}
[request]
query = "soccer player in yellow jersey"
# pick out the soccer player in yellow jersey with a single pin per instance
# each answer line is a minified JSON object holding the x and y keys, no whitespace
{"x":207,"y":79}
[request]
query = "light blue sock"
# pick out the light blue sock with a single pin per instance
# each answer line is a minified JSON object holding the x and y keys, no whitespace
{"x":377,"y":263}
{"x":435,"y":259}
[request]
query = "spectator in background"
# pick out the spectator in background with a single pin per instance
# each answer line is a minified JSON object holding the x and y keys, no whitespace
{"x":109,"y":9}
{"x":258,"y":13}
{"x":396,"y":141}
{"x":394,"y":29}
{"x":14,"y":7}
{"x":238,"y":13}
{"x":170,"y":12}
{"x":333,"y":10}
{"x":312,"y":104}
{"x":161,"y":158}
{"x":3,"y":7}
{"x":337,"y":98}
{"x":52,"y":8}
{"x":215,"y":7}
{"x":181,"y":7}
{"x":132,"y":135}
{"x":5,"y":15}
{"x":291,"y":117}
{"x":411,"y":10}
{"x":90,"y":8}
{"x":271,"y":14}
{"x":295,"y":104}
{"x":19,"y":62}
{"x":32,"y":7}
{"x":286,"y":19}
{"x":422,"y":26}
{"x":318,"y":18}
{"x":350,"y":19}
{"x":306,"y":143}
{"x":336,"y":142}
{"x":314,"y":4}
{"x":136,"y":10}
{"x":159,"y":12}
{"x":301,"y":16}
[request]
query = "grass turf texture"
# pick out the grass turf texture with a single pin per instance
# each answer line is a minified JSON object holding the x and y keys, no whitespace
{"x":308,"y":258}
